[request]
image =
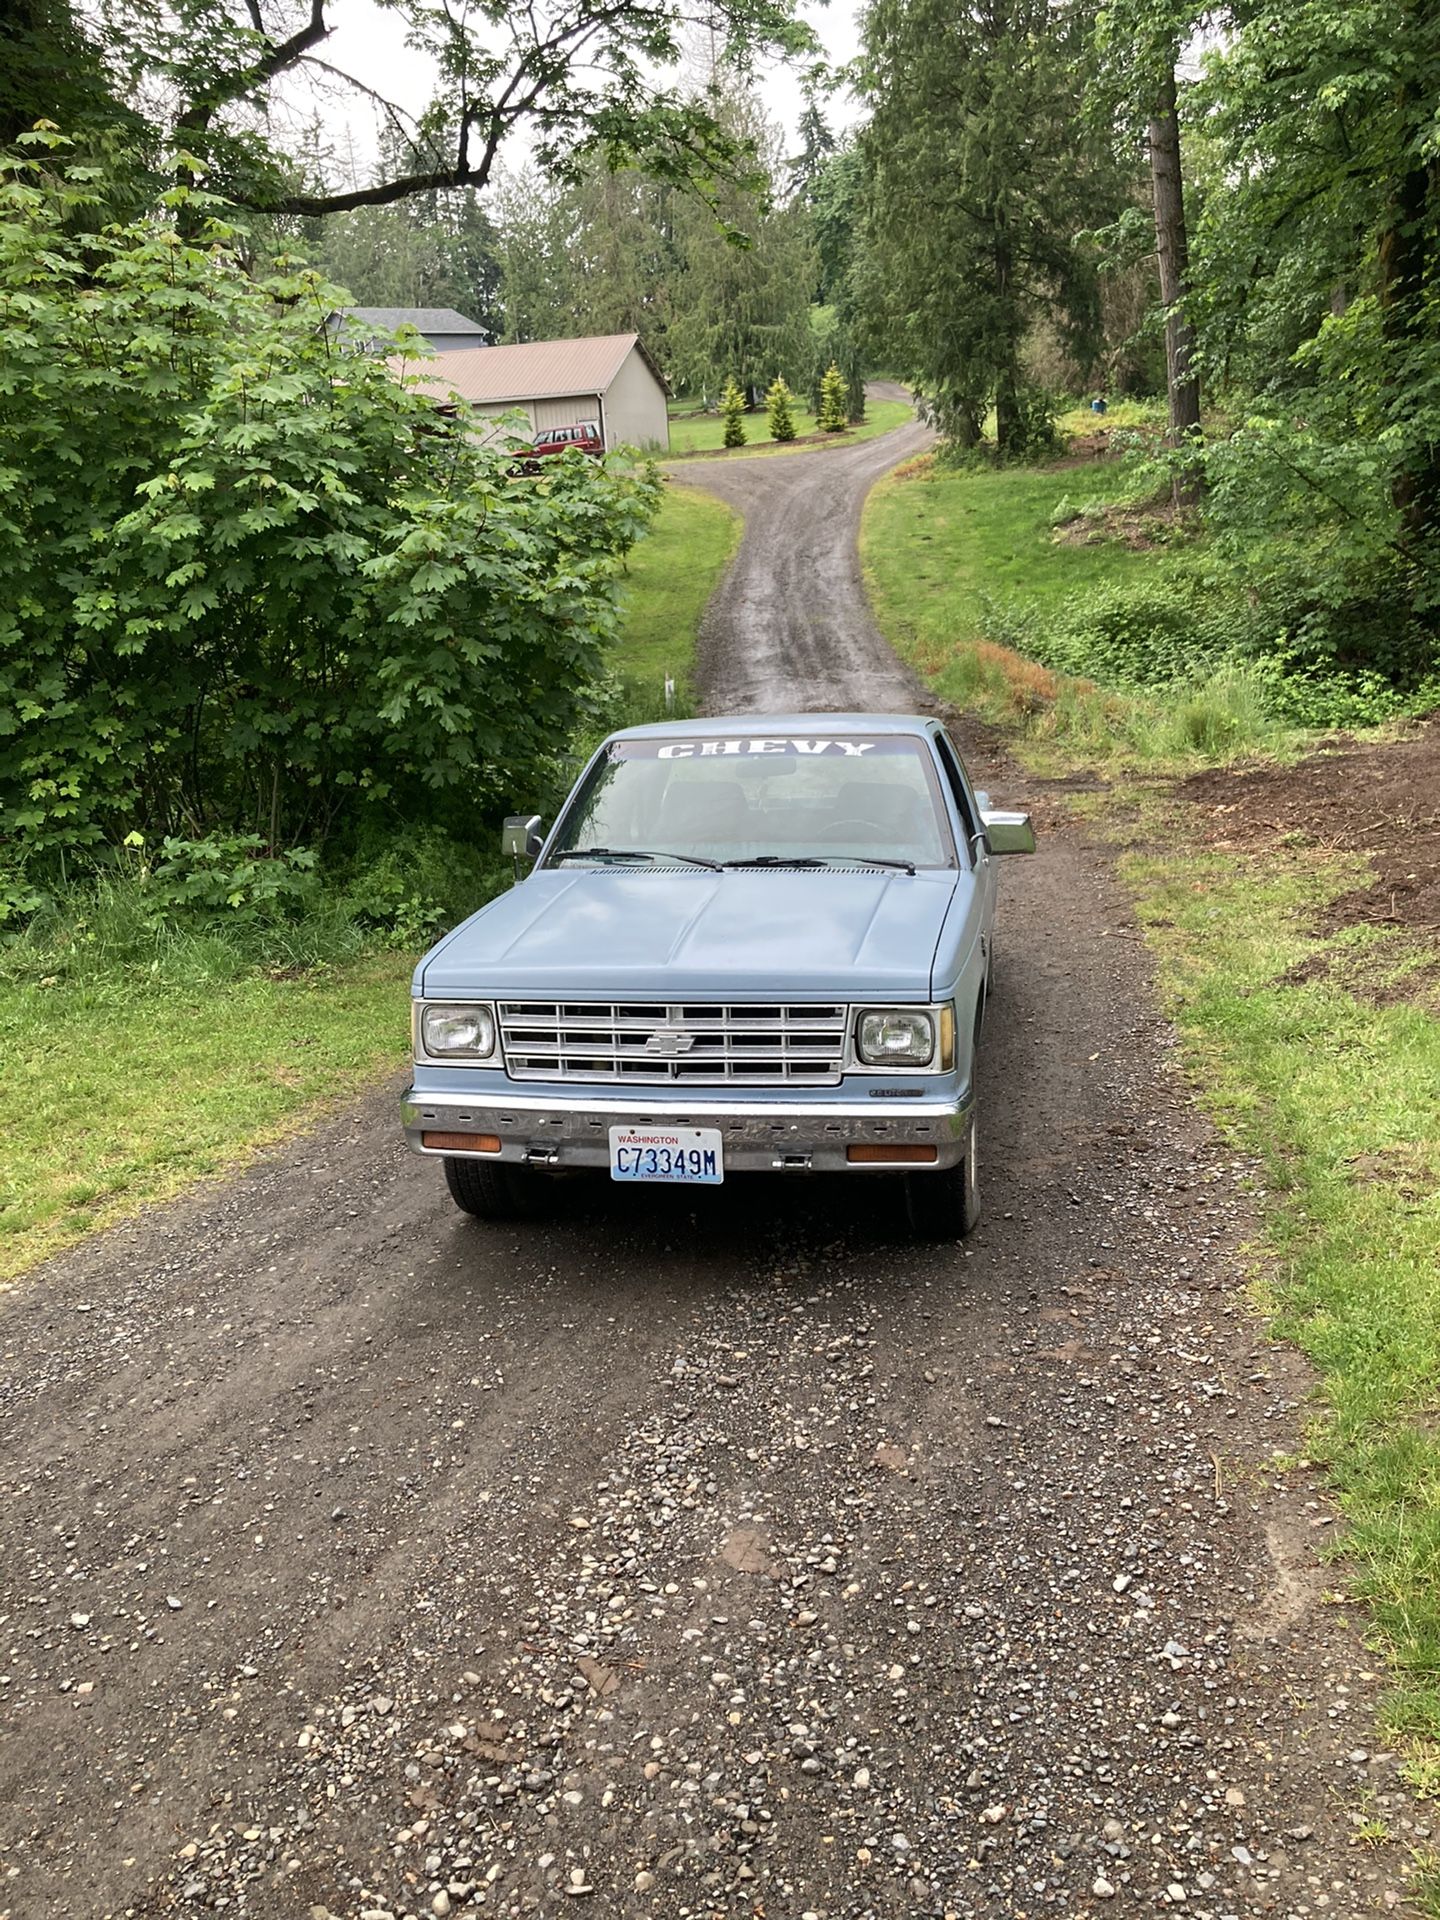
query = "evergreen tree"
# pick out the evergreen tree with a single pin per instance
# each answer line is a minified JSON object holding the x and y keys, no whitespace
{"x":835,"y":203}
{"x":438,"y":250}
{"x":539,"y":286}
{"x":778,"y":404}
{"x":979,"y":180}
{"x":740,"y":308}
{"x":732,"y":410}
{"x":817,"y":144}
{"x":834,"y":400}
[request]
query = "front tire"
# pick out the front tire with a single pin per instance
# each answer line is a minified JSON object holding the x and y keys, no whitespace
{"x":489,"y":1190}
{"x":945,"y":1206}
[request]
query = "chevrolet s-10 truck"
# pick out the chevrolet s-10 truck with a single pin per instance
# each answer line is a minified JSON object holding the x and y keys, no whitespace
{"x":748,"y":945}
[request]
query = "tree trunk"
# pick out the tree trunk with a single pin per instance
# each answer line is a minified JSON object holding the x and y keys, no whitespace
{"x":1007,"y":372}
{"x":1007,"y":412}
{"x":1404,"y":271}
{"x":1172,"y":251}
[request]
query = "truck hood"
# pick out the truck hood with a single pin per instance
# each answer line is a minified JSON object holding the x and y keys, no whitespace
{"x":806,"y":935}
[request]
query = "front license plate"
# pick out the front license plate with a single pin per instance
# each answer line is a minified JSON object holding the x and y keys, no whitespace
{"x":693,"y":1155}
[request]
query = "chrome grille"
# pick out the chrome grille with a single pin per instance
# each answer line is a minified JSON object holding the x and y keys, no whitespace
{"x":690,"y":1043}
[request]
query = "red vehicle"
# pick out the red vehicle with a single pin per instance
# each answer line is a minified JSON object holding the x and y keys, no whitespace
{"x":584,"y":434}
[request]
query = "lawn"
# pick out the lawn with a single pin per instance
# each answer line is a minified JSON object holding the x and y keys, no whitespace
{"x":670,"y":576}
{"x":956,"y":559}
{"x":939,"y":546}
{"x":134,"y":1068}
{"x":122,"y":1088}
{"x":692,"y":431}
{"x":1310,"y":1049}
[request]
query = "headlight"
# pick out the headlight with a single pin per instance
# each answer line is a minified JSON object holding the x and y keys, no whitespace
{"x":896,"y":1039}
{"x":466,"y":1032}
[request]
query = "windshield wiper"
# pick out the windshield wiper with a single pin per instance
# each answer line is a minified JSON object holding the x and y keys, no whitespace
{"x":821,"y":860}
{"x":631,"y":853}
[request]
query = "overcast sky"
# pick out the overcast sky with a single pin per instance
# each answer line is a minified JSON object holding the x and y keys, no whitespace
{"x":369,"y":42}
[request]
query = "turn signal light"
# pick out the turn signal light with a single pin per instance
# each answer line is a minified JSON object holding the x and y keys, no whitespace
{"x":892,"y":1156}
{"x":462,"y":1142}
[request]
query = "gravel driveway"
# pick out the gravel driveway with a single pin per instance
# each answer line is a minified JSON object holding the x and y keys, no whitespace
{"x":789,"y":628}
{"x":689,"y":1558}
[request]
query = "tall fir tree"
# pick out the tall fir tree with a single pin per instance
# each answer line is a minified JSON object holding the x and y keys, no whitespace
{"x":741,"y":306}
{"x":979,"y":180}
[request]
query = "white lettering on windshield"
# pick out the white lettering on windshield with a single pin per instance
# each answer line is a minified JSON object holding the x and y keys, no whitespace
{"x":709,"y":749}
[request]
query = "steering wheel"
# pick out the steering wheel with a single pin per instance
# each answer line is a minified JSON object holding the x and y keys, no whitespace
{"x":837,"y":829}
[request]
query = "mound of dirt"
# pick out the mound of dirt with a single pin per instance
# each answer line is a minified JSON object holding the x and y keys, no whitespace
{"x":1379,"y":800}
{"x":1139,"y":528}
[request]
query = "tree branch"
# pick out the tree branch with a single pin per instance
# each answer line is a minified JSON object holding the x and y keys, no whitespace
{"x":400,"y":120}
{"x":279,"y":56}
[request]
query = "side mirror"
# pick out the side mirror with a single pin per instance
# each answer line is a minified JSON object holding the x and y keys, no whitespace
{"x":1007,"y":832}
{"x":522,"y":836}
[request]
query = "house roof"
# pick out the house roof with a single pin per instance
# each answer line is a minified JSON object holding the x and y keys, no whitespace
{"x":423,"y":319}
{"x":536,"y":370}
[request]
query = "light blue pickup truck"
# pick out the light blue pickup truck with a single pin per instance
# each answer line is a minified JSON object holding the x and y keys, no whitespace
{"x":751,"y":945}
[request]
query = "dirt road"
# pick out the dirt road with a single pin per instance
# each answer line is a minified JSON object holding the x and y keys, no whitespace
{"x":716,"y":1555}
{"x":789,"y":628}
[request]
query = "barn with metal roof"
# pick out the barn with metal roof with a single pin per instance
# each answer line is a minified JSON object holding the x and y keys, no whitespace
{"x":609,"y":379}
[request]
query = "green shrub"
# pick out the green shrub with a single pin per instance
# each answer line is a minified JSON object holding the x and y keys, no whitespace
{"x":1148,"y":634}
{"x":251,"y":583}
{"x":1225,"y":655}
{"x":732,"y":411}
{"x":1319,"y":617}
{"x":1035,"y":434}
{"x":779,"y":404}
{"x":834,"y":401}
{"x":415,"y":881}
{"x":226,"y":874}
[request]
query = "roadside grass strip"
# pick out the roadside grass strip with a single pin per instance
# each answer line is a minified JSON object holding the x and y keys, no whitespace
{"x":694,"y":432}
{"x":1339,"y":1098}
{"x":1316,"y":1053}
{"x":119,"y":1093}
{"x":671,"y":575}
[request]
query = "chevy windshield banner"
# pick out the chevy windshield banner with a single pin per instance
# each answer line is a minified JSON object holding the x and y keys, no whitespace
{"x":754,"y":746}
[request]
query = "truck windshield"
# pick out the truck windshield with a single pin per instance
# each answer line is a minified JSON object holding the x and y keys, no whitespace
{"x":761,"y":797}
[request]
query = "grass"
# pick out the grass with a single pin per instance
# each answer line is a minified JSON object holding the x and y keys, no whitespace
{"x":952,"y":555}
{"x":138,"y":1059}
{"x":671,"y":575}
{"x":692,"y":431}
{"x":126,"y":1083}
{"x":942,"y":546}
{"x":1130,"y":416}
{"x":1337,"y":1097}
{"x":1332,"y":1088}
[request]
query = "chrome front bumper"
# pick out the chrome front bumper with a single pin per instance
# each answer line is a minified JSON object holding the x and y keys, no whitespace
{"x":758,"y":1136}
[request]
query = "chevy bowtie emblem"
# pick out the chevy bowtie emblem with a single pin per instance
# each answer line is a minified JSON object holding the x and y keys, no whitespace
{"x":670,"y":1040}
